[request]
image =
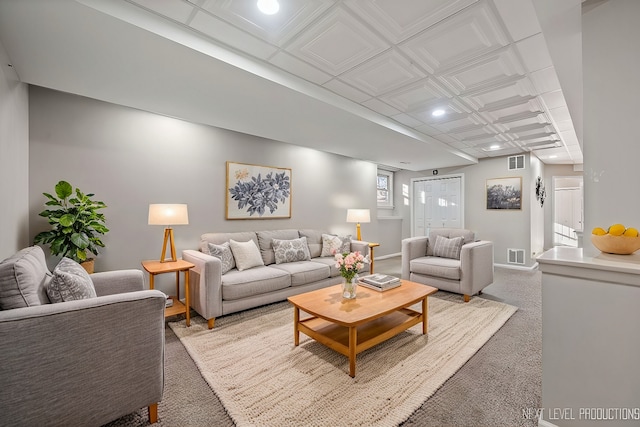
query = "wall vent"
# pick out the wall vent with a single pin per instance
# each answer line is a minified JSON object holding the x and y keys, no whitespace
{"x":515,"y":256}
{"x":515,"y":162}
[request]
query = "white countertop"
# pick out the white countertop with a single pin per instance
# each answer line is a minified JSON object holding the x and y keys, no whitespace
{"x":574,"y":262}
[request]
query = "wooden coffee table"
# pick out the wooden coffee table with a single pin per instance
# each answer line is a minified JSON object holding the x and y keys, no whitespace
{"x":352,"y":326}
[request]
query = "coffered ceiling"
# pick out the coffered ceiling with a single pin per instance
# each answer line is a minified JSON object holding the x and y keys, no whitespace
{"x":360,"y":78}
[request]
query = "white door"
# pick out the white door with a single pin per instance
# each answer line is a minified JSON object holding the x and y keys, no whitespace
{"x":567,"y":211}
{"x":437,"y":203}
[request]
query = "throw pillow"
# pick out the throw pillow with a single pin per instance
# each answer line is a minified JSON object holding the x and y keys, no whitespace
{"x":223,"y":253}
{"x":291,"y":250}
{"x":332,"y":243}
{"x":70,"y":282}
{"x":448,"y":248}
{"x":246,"y":254}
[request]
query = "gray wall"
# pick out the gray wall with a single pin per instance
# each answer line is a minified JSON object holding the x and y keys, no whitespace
{"x":506,"y":229}
{"x":611,"y":148}
{"x":14,"y":161}
{"x":130,"y":158}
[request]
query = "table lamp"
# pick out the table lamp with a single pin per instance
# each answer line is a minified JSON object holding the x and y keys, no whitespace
{"x":168,"y":215}
{"x":358,"y":216}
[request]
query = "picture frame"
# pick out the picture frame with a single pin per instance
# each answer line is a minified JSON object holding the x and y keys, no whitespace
{"x":504,"y":193}
{"x":257,"y":192}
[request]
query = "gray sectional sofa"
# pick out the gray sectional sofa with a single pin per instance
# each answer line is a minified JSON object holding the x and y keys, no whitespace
{"x":214,"y":294}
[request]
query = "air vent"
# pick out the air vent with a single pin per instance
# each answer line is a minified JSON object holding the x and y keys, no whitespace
{"x":515,"y":162}
{"x":515,"y":256}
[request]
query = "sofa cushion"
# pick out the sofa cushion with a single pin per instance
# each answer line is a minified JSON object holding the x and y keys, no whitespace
{"x":447,"y":248}
{"x":445,"y":268}
{"x":265,"y":242}
{"x":291,"y":250}
{"x":314,"y":241}
{"x":246,"y":254}
{"x":255,"y":281}
{"x":331,"y":243}
{"x":23,"y":278}
{"x":70,"y":282}
{"x":329,"y":261}
{"x":224,"y":254}
{"x":468,"y":235}
{"x":303,"y":272}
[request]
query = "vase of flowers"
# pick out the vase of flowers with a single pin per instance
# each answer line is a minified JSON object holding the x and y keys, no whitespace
{"x":349,"y":264}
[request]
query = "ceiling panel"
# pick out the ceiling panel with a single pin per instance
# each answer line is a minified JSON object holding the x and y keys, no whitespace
{"x":383,"y":64}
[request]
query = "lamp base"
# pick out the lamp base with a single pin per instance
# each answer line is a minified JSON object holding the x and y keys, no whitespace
{"x":358,"y":235}
{"x":168,"y":235}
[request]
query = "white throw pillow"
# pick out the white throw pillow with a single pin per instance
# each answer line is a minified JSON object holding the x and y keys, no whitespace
{"x":246,"y":254}
{"x":331,"y":243}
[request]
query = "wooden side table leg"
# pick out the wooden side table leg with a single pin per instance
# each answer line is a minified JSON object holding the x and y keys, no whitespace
{"x":353,"y":342}
{"x":371,"y":265}
{"x":425,"y":315}
{"x":296,"y":330}
{"x":151,"y":277}
{"x":186,"y":296}
{"x":178,"y":284}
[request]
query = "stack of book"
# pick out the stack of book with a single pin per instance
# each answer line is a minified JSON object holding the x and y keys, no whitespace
{"x":379,"y":282}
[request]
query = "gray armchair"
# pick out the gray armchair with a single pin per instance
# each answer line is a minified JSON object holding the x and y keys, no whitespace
{"x":467,"y":274}
{"x":84,"y":362}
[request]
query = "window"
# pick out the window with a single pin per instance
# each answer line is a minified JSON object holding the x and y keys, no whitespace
{"x":385,"y":189}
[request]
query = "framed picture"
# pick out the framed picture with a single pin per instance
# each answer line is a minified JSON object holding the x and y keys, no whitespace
{"x":504,"y":193}
{"x":257,"y":192}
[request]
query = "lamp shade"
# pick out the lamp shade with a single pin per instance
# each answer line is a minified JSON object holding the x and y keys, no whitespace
{"x":358,"y":215}
{"x":163,"y":214}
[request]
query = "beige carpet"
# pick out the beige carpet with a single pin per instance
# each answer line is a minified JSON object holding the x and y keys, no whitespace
{"x":262,"y":379}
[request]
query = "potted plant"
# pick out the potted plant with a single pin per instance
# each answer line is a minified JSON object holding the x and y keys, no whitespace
{"x":77,"y":224}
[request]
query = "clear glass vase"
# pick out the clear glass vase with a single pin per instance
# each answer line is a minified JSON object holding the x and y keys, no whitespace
{"x":349,"y":287}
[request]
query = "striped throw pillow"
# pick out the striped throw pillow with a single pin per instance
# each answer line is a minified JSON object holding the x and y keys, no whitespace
{"x":448,"y":248}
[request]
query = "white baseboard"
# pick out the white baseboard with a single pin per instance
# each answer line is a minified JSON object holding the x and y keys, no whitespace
{"x":534,"y":267}
{"x":386,"y":256}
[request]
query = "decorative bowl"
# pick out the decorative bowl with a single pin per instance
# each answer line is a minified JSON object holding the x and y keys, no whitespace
{"x":621,"y":245}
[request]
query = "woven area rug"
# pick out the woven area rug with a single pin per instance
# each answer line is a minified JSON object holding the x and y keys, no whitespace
{"x":262,"y":379}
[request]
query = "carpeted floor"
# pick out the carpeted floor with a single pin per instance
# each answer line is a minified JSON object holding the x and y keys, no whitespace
{"x":493,"y":388}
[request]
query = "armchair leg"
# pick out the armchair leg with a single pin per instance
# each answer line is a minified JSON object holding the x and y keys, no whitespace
{"x":480,"y":292}
{"x":466,"y":298}
{"x":211,"y":322}
{"x":153,"y":413}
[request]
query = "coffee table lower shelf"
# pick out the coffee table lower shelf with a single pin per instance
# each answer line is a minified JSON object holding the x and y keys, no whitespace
{"x":366,"y":335}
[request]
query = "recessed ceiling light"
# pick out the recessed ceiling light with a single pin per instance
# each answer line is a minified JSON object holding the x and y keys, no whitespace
{"x":494,"y":147}
{"x":437,"y":113}
{"x":268,"y":7}
{"x":553,"y":156}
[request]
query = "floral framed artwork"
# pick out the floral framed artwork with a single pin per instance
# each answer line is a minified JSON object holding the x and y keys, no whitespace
{"x":504,"y":193}
{"x":257,"y":192}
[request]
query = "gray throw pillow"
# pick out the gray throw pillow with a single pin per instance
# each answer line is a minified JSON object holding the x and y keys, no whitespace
{"x":448,"y":248}
{"x":70,"y":282}
{"x":331,"y":243}
{"x":224,"y":254}
{"x":291,"y":250}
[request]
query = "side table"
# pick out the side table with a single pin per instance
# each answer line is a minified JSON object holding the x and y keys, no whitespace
{"x":157,"y":267}
{"x":371,"y":246}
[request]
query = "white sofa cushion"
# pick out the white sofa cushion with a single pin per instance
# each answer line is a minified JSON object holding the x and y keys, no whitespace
{"x":246,"y":254}
{"x":255,"y":281}
{"x":305,"y":272}
{"x":445,"y":268}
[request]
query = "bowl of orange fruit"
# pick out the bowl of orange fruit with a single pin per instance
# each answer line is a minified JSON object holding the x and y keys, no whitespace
{"x":617,"y":239}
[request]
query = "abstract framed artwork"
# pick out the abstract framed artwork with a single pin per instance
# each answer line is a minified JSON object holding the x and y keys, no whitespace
{"x":504,"y":193}
{"x":257,"y":192}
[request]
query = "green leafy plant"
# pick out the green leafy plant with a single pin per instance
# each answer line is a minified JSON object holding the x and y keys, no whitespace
{"x":77,"y":224}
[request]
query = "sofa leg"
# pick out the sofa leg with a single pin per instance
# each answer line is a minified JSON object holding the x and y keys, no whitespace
{"x":210,"y":322}
{"x":153,"y":413}
{"x":466,"y":298}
